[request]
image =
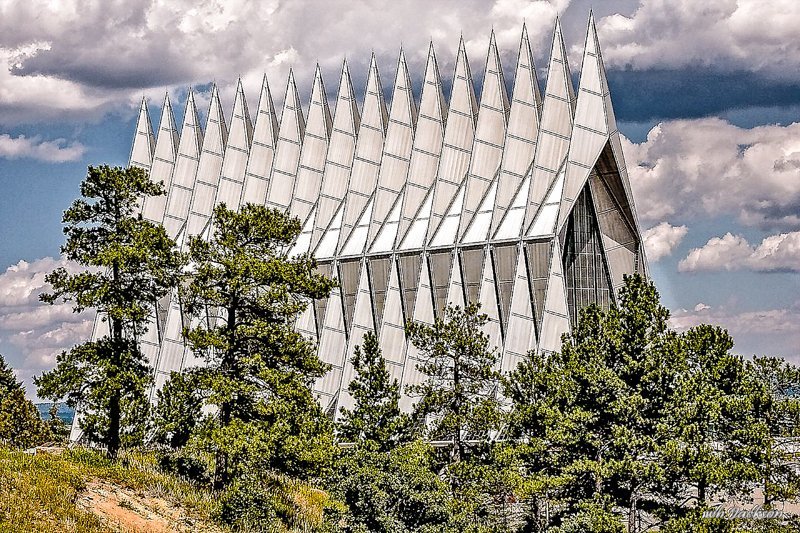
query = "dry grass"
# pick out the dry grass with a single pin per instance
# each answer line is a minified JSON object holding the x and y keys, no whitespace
{"x":38,"y":493}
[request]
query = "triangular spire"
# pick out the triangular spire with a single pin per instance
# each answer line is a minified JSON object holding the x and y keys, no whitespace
{"x":241,"y":131}
{"x":391,"y":322}
{"x":236,"y":152}
{"x":375,"y":114}
{"x":319,"y":114}
{"x":397,"y":147}
{"x":403,"y":109}
{"x":216,"y":137}
{"x":287,"y":149}
{"x":517,"y":315}
{"x":340,"y":154}
{"x":369,"y":148}
{"x":458,"y":138}
{"x":166,"y":151}
{"x":523,"y":129}
{"x":143,"y":141}
{"x":167,"y":141}
{"x":315,"y":148}
{"x":490,"y":133}
{"x":594,"y":122}
{"x":552,"y":314}
{"x":185,"y":171}
{"x":262,"y":150}
{"x":209,"y":167}
{"x":349,"y":118}
{"x":556,"y":126}
{"x":426,"y":152}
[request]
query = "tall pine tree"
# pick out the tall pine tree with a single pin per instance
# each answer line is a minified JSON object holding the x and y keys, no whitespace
{"x":245,"y":293}
{"x":459,"y":393}
{"x":130,"y":263}
{"x":375,"y":420}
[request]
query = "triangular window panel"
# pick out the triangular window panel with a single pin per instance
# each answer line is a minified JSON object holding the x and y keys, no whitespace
{"x":446,"y":233}
{"x":379,"y":282}
{"x":607,"y":169}
{"x":504,"y":259}
{"x":358,"y":237}
{"x":471,"y":272}
{"x":349,"y":273}
{"x":409,"y":266}
{"x":585,"y":272}
{"x":439,"y":265}
{"x":415,"y":236}
{"x":537,"y":261}
{"x":321,"y":304}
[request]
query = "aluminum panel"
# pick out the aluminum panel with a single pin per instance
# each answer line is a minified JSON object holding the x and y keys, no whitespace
{"x":262,"y":150}
{"x":287,"y":149}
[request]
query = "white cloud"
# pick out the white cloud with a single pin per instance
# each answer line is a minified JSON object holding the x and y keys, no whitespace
{"x":56,"y":151}
{"x":32,"y":333}
{"x":34,"y":97}
{"x":731,"y":34}
{"x":785,"y":320}
{"x":141,"y":44}
{"x":776,"y":253}
{"x":761,"y":332}
{"x":708,"y":167}
{"x":660,"y":240}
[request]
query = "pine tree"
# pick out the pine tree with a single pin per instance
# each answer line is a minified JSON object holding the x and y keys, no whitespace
{"x":8,"y":381}
{"x":703,"y":448}
{"x":773,"y":425}
{"x":20,"y":423}
{"x":177,"y":411}
{"x":245,"y":293}
{"x":375,"y":419}
{"x":459,"y":393}
{"x":587,"y":419}
{"x":131,"y":263}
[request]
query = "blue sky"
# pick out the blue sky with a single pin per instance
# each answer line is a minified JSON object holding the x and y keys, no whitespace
{"x":706,"y":93}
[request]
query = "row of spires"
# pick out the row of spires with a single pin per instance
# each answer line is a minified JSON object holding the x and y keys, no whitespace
{"x":308,"y":187}
{"x":421,"y":175}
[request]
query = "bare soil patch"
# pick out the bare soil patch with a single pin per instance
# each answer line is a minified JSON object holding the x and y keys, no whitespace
{"x":128,"y":511}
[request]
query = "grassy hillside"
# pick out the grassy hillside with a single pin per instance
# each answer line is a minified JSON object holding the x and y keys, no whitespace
{"x":81,"y":491}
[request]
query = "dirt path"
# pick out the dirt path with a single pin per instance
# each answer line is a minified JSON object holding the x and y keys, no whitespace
{"x":127,"y":511}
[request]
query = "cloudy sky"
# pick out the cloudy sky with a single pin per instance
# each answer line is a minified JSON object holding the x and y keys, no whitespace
{"x":707,"y":95}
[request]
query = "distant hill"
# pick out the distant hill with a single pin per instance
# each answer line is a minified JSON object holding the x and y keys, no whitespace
{"x":65,"y":412}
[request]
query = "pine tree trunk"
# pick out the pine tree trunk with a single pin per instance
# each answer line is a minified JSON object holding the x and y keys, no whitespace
{"x":114,"y":423}
{"x":701,"y":493}
{"x":222,"y":472}
{"x":115,"y":401}
{"x":632,"y":512}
